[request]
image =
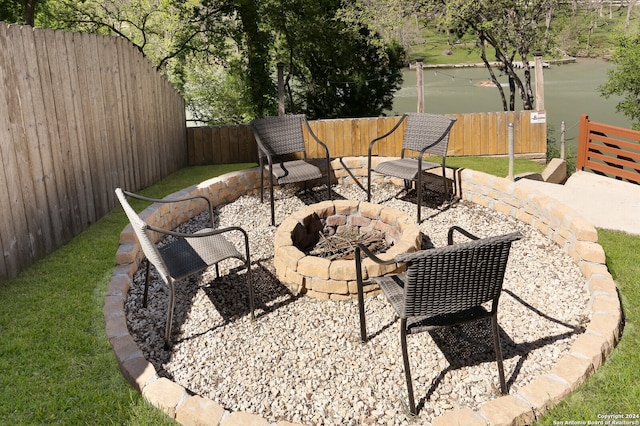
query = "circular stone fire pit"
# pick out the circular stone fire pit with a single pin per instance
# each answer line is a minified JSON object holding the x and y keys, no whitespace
{"x":322,"y":277}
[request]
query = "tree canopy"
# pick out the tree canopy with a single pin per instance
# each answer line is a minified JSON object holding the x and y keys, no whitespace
{"x":514,"y":29}
{"x":12,"y":11}
{"x":624,"y":78}
{"x":335,"y":68}
{"x":223,"y":54}
{"x":341,"y":58}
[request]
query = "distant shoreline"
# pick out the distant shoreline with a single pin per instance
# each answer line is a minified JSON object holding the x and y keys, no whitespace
{"x":495,"y":64}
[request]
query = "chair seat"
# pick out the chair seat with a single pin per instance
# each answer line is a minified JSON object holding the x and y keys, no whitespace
{"x":404,"y":168}
{"x":295,"y":171}
{"x":419,"y":324}
{"x":393,"y":289}
{"x":186,"y":256}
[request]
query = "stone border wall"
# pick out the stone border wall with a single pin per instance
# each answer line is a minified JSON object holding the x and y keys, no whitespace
{"x":322,"y":278}
{"x":561,"y":224}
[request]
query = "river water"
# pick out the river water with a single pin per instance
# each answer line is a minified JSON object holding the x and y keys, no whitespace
{"x":570,"y":90}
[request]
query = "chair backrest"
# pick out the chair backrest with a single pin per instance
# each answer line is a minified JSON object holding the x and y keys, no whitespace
{"x":282,"y":134}
{"x":430,"y":131}
{"x":144,"y":235}
{"x":456,"y":277}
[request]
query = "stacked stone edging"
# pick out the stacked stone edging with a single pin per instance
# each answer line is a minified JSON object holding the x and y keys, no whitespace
{"x":326,"y":279}
{"x":576,"y":236}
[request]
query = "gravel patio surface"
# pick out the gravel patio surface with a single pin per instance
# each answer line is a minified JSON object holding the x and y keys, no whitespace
{"x":302,"y":360}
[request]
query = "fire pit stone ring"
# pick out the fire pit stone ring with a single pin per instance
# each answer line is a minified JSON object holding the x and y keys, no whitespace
{"x":325,"y":278}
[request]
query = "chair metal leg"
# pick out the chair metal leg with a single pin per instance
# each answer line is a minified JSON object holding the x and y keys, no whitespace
{"x":419,"y":194}
{"x":498,"y":349}
{"x":261,"y":181}
{"x":369,"y":178}
{"x":363,"y":321}
{"x":146,"y":284}
{"x":170,"y":308}
{"x":446,"y":188}
{"x":273,"y":209}
{"x":407,"y":369}
{"x":447,"y":196}
{"x":251,"y":292}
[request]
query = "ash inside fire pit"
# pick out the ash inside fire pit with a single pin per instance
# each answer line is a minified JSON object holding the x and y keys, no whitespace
{"x":341,"y":244}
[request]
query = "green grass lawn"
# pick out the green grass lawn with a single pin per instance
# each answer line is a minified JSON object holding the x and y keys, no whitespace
{"x":614,"y":388}
{"x":56,"y":362}
{"x":58,"y":367}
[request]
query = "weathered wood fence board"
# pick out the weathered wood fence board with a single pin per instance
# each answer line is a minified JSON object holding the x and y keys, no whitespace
{"x":609,"y":150}
{"x":80,"y":114}
{"x":483,"y":133}
{"x":221,"y":145}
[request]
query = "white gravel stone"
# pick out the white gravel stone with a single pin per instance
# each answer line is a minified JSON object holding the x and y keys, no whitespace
{"x":302,"y":359}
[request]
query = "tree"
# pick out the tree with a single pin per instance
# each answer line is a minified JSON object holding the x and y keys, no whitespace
{"x":395,"y":21}
{"x":222,"y":54}
{"x":336,"y":68}
{"x":162,"y":30}
{"x":218,"y":95}
{"x":513,"y":28}
{"x":624,"y":78}
{"x":185,"y":40}
{"x":14,"y":11}
{"x":258,"y":42}
{"x":30,"y":12}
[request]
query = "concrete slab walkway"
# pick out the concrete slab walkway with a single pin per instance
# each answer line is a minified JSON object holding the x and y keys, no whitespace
{"x":605,"y":202}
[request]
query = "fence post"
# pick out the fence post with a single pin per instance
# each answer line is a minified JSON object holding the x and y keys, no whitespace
{"x":563,"y":135}
{"x":511,"y":153}
{"x":583,"y":142}
{"x":419,"y":85}
{"x":280,"y":88}
{"x":539,"y":81}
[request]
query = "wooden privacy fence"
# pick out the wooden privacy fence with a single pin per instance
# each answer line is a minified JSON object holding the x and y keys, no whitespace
{"x":609,"y":150}
{"x":80,"y":114}
{"x":484,"y":133}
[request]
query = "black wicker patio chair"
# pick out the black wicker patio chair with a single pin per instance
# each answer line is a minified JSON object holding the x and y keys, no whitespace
{"x":425,"y":134}
{"x":278,"y":137}
{"x":187,"y":254}
{"x":443,"y":287}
